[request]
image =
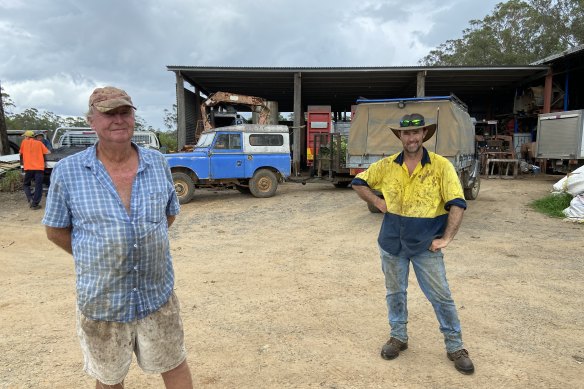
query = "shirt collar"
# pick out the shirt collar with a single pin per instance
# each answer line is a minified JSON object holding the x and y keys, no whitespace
{"x":90,"y":157}
{"x":425,"y":157}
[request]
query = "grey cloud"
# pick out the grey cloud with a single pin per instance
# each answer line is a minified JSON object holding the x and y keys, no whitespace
{"x":67,"y":47}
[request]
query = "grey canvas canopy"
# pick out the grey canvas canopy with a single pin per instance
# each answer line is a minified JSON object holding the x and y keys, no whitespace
{"x":370,"y":132}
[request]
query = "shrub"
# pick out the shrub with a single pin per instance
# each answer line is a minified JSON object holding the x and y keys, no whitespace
{"x":11,"y":181}
{"x":168,"y":140}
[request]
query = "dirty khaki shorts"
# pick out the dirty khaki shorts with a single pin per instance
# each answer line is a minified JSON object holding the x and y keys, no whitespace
{"x":157,"y":340}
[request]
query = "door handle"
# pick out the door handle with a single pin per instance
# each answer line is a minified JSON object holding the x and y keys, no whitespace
{"x":238,"y":163}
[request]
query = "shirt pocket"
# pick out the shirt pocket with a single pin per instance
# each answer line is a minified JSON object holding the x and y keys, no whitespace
{"x":154,"y":206}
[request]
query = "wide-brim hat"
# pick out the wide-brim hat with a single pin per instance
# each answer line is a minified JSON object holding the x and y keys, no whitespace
{"x":428,"y":124}
{"x":108,"y":98}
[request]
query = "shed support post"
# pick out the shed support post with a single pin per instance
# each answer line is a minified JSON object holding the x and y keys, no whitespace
{"x":547,"y":91}
{"x":198,"y":114}
{"x":181,"y":130}
{"x":421,"y":84}
{"x":298,"y":121}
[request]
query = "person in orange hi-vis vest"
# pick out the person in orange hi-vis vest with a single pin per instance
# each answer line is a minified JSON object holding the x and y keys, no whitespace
{"x":32,"y":159}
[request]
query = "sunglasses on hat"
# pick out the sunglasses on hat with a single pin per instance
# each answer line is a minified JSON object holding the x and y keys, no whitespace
{"x":412,"y":122}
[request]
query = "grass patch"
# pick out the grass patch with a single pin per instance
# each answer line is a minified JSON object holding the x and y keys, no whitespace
{"x":12,"y":181}
{"x":553,"y":204}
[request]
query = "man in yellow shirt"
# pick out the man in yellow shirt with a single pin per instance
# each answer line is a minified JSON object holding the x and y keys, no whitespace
{"x":32,"y":158}
{"x":423,"y":204}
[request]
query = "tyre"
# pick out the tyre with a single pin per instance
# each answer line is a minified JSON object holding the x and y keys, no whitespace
{"x":184,"y":187}
{"x":263,"y":183}
{"x":473,"y":192}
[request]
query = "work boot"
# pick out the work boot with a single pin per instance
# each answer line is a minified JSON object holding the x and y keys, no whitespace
{"x":391,"y":349}
{"x":461,"y":361}
{"x":35,"y":206}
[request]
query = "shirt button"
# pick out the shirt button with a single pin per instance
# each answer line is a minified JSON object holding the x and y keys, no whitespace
{"x":136,"y":246}
{"x":135,"y":267}
{"x":135,"y":289}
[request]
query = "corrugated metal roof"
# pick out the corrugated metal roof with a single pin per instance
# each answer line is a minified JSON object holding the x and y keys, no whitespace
{"x":563,"y":55}
{"x":340,"y":87}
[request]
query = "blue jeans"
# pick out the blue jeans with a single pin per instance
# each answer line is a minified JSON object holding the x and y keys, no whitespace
{"x":431,"y":274}
{"x":37,"y":176}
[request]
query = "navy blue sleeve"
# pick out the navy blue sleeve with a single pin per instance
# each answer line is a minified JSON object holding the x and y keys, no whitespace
{"x":359,"y":182}
{"x":461,"y":203}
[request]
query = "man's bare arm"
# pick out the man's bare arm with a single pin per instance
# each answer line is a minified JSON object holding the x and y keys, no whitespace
{"x":170,"y":220}
{"x":454,"y":221}
{"x":61,"y":237}
{"x":368,"y":195}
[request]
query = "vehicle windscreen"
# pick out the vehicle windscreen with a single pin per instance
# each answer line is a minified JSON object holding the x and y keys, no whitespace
{"x":144,"y":140}
{"x":78,"y":139}
{"x":205,"y":140}
{"x":89,"y":138}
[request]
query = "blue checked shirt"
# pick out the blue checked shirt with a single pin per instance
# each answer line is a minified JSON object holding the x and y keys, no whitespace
{"x":122,"y":262}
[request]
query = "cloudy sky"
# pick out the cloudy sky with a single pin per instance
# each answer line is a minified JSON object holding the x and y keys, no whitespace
{"x":53,"y":53}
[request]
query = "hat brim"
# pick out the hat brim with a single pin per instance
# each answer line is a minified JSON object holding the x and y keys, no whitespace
{"x":108,"y":105}
{"x":430,"y":127}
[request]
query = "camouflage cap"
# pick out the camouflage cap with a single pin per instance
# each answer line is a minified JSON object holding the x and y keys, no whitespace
{"x":107,"y":98}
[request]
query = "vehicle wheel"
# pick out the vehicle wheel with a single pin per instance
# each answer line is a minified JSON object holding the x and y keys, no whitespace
{"x":342,"y":184}
{"x":242,"y":189}
{"x":184,"y":187}
{"x":473,"y":192}
{"x":373,"y":208}
{"x":263,"y":183}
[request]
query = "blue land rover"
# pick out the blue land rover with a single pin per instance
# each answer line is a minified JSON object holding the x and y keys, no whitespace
{"x":251,"y":158}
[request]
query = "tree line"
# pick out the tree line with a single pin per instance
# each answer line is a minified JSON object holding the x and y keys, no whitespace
{"x":35,"y":120}
{"x":517,"y":32}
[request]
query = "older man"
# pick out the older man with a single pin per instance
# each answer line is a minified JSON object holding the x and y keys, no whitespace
{"x":111,"y":206}
{"x":423,"y":203}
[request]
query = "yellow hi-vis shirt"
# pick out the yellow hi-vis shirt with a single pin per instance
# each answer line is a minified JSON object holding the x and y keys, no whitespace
{"x":417,"y":204}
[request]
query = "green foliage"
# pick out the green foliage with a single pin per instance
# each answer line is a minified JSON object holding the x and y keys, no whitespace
{"x":171,"y":118}
{"x":516,"y":33}
{"x":32,"y":119}
{"x":6,"y":101}
{"x":339,"y":150}
{"x":168,"y":140}
{"x":553,"y":204}
{"x":74,"y":122}
{"x":11,"y":181}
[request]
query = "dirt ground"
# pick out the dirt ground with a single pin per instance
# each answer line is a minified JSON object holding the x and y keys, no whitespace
{"x":287,"y":292}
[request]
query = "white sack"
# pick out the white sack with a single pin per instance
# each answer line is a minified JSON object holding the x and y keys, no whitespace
{"x":576,"y":208}
{"x":573,"y":183}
